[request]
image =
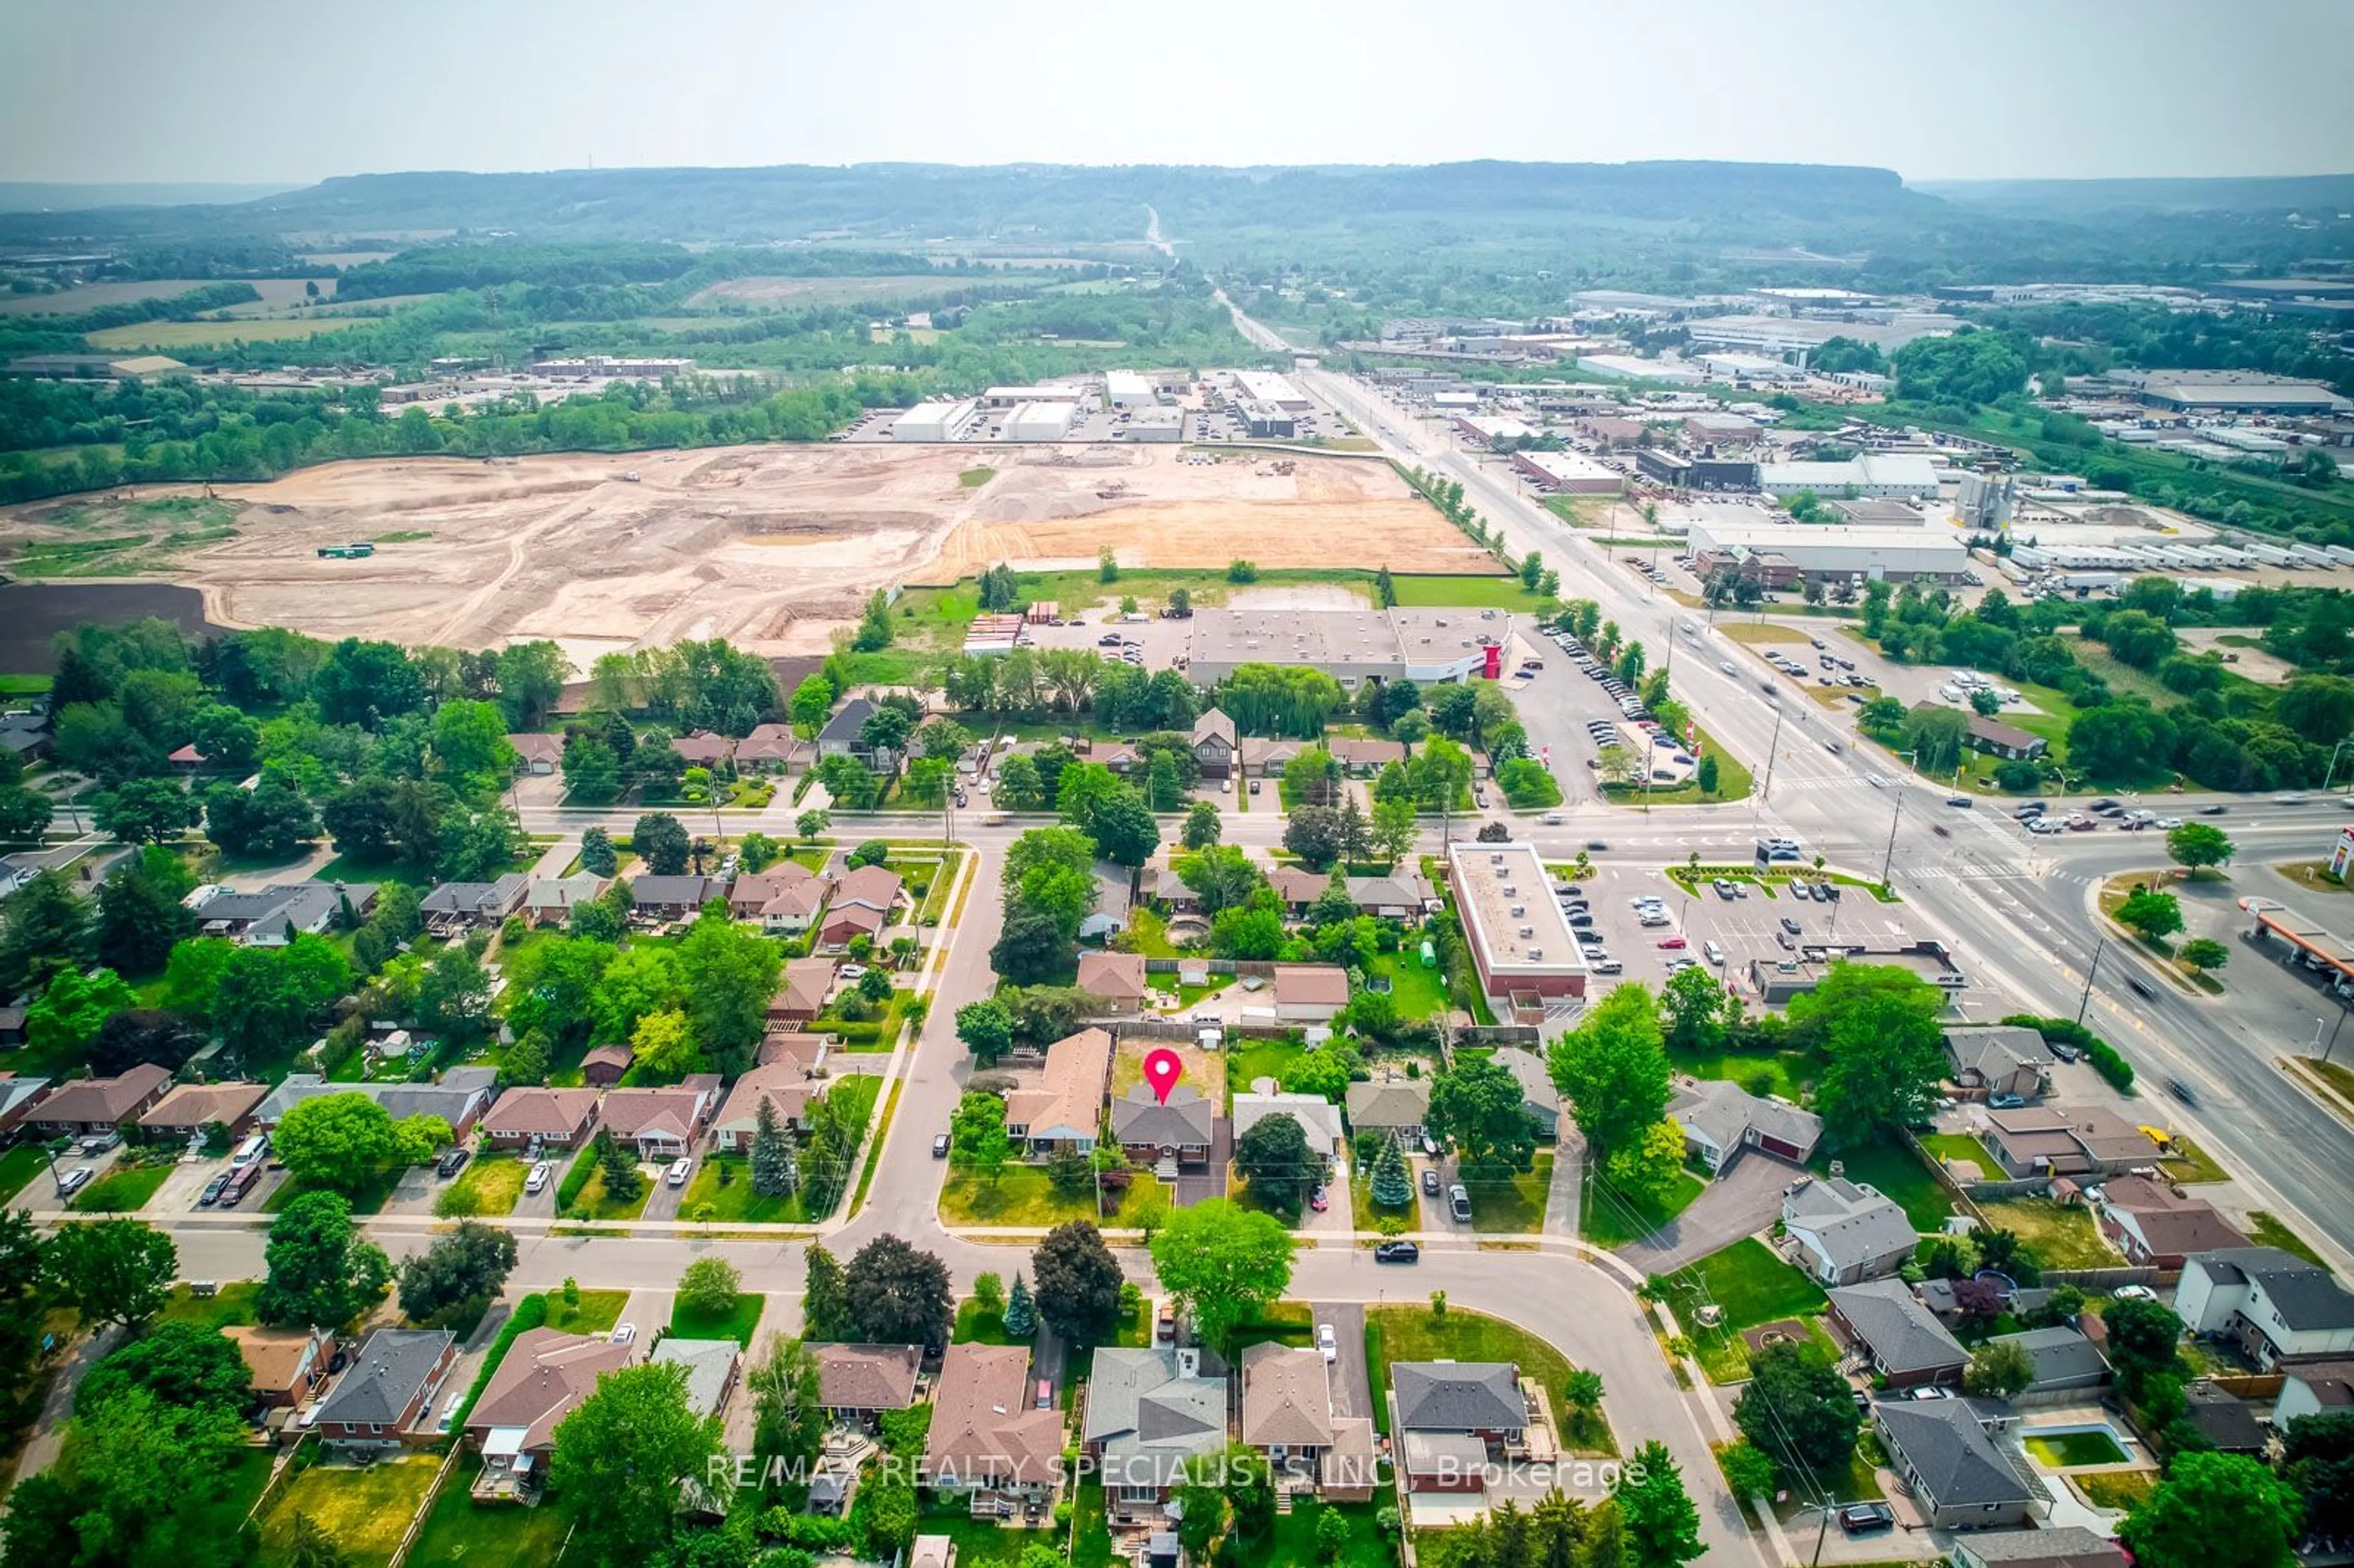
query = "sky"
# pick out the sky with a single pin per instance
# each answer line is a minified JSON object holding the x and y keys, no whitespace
{"x":249,"y":91}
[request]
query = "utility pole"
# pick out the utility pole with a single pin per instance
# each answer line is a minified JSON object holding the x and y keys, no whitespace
{"x":1888,"y":860}
{"x":2092,"y":969}
{"x":1773,"y":747}
{"x":2333,"y":1035}
{"x":2332,"y":773}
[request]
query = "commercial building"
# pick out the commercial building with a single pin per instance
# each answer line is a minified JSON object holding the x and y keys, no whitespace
{"x":1627,"y":367}
{"x":1522,"y":946}
{"x":935,"y":421}
{"x":1720,"y":473}
{"x":1671,"y":468}
{"x":1155,"y":424}
{"x":1127,"y":389}
{"x":1352,"y":645}
{"x":1265,"y":422}
{"x":1791,"y":553}
{"x":1737,"y":429}
{"x":1040,"y":421}
{"x":1747,"y":367}
{"x":1904,"y":474}
{"x":1567,"y":474}
{"x":1002,"y":398}
{"x":1491,"y":432}
{"x":2230,"y":392}
{"x":1276,"y":391}
{"x":94,"y":366}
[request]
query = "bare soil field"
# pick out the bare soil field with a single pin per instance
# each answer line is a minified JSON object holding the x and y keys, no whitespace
{"x":770,"y":546}
{"x":33,"y":613}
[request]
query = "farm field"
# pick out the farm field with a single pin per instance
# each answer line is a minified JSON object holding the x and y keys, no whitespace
{"x":92,"y":296}
{"x":210,"y":333}
{"x":846,"y":290}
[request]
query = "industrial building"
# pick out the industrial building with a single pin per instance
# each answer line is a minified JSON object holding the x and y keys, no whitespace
{"x":1567,"y":474}
{"x":1671,"y":468}
{"x":1860,"y":478}
{"x":605,"y":367}
{"x":1352,"y":646}
{"x":1492,"y":432}
{"x":1127,"y":389}
{"x":935,"y":421}
{"x":1987,"y":500}
{"x":1747,"y":367}
{"x":1627,"y":367}
{"x":1158,"y":424}
{"x":1265,"y":422}
{"x":1877,"y":514}
{"x":1720,"y":473}
{"x":1725,"y":429}
{"x":1791,"y":553}
{"x":1522,"y":947}
{"x":1014,"y":397}
{"x":1276,"y":391}
{"x":95,"y":367}
{"x":2230,"y":392}
{"x":1040,"y":421}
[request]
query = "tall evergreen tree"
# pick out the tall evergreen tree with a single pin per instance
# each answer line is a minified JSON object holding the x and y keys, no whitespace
{"x":1021,"y":1320}
{"x":775,"y":1170}
{"x":825,"y":1301}
{"x":1393,"y":1185}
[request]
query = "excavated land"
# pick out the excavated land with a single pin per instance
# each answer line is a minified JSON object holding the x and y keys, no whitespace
{"x":769,"y":546}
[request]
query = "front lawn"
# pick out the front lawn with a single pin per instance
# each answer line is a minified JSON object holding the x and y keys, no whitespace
{"x":737,"y":1323}
{"x":368,"y":1199}
{"x":1515,"y":1206}
{"x":229,"y":1305}
{"x":1609,"y":1218}
{"x":596,"y":1312}
{"x":19,"y":1165}
{"x":462,"y":1534}
{"x":590,"y":1201}
{"x":721,"y":1193}
{"x":1751,"y":1285}
{"x":1420,"y":992}
{"x":122,"y":1191}
{"x":2188,"y":1163}
{"x":2266,"y":1230}
{"x":977,"y":1325}
{"x":2061,"y":1236}
{"x":365,"y":1511}
{"x":1416,"y":1334}
{"x":490,"y":1184}
{"x":1895,"y":1171}
{"x":1023,"y":1196}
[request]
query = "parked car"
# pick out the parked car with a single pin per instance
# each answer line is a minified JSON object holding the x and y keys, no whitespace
{"x":680,"y":1168}
{"x":1866,"y":1519}
{"x":1430,"y":1183}
{"x":2005,"y":1102}
{"x":1790,"y":926}
{"x":1458,"y":1202}
{"x":75,"y":1181}
{"x":624,"y":1333}
{"x":939,"y":1145}
{"x":212,"y":1191}
{"x":1608,"y":967}
{"x":449,"y":1164}
{"x":1397,"y":1252}
{"x":1320,"y":1200}
{"x":537,"y":1180}
{"x":1327,"y":1343}
{"x":1671,"y":942}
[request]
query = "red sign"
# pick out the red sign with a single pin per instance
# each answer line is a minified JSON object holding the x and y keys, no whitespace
{"x":1492,"y":663}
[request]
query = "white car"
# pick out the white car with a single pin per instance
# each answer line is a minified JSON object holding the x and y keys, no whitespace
{"x":1875,"y":780}
{"x":679,"y":1172}
{"x":852,"y":971}
{"x":2169,"y":822}
{"x":537,"y":1180}
{"x":624,"y":1332}
{"x":1326,"y":1342}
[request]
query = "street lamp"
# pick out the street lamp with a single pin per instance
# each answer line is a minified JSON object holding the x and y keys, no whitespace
{"x":2092,"y":969}
{"x":1888,"y":861}
{"x":1773,"y":750}
{"x":2332,"y":773}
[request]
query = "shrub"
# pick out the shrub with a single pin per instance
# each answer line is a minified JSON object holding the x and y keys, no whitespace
{"x":567,"y":1193}
{"x":2102,"y":1056}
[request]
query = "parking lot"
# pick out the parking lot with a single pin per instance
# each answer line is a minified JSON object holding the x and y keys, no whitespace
{"x":1745,"y":925}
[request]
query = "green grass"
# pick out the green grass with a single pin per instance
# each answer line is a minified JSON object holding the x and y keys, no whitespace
{"x":2115,"y":1489}
{"x":494,"y":1181}
{"x":1022,"y":1195}
{"x":980,"y":1543}
{"x":1733,"y":782}
{"x":1293,"y":1540}
{"x":368,"y":1199}
{"x":1259,"y":1058}
{"x":596,"y":1313}
{"x":1856,"y":1481}
{"x":1753,"y":1287}
{"x":974,"y":478}
{"x":2191,"y":1164}
{"x":462,"y":1533}
{"x":725,"y":1183}
{"x":2066,"y":1450}
{"x":365,"y":1511}
{"x":738,"y":1323}
{"x":2266,"y":1230}
{"x":2060,"y":1236}
{"x":1960,"y":1146}
{"x":1420,"y":992}
{"x":19,"y":1165}
{"x":248,"y":1472}
{"x":1766,"y":1073}
{"x":1898,"y":1173}
{"x":976,"y":1325}
{"x":1468,"y":593}
{"x":1284,"y":1323}
{"x":122,"y":1191}
{"x":591,"y":1203}
{"x":1614,"y":1219}
{"x":1516,"y":1207}
{"x":231,"y":1305}
{"x":1413,"y":1334}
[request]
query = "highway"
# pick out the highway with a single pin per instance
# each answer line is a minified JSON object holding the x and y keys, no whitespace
{"x":2016,"y":910}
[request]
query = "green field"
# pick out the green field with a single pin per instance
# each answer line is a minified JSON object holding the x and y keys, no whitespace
{"x":1022,"y":1195}
{"x":210,"y":333}
{"x":490,"y":1184}
{"x":233,"y":1303}
{"x":365,"y":1511}
{"x":19,"y":1165}
{"x":737,"y":1323}
{"x":1751,"y":1286}
{"x":1420,"y":992}
{"x":723,"y":1183}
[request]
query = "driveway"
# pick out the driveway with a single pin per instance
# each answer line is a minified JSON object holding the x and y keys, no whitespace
{"x":1353,"y":1384}
{"x":650,"y":1309}
{"x":417,"y":1192}
{"x":541,"y":1205}
{"x":1210,"y":1180}
{"x":1742,"y":1201}
{"x":186,"y":1184}
{"x":663,"y":1198}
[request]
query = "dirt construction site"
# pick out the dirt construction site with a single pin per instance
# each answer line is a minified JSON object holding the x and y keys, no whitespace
{"x":770,"y":546}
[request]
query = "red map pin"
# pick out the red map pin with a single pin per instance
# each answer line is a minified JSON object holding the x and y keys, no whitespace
{"x":1162,"y":1068}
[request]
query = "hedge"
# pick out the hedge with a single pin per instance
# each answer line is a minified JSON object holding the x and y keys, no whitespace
{"x":584,"y":1165}
{"x":531,"y":1313}
{"x":2098,"y":1052}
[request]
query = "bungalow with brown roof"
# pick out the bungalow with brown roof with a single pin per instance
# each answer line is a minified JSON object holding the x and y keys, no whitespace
{"x":861,"y":906}
{"x":539,"y":754}
{"x":1265,"y":757}
{"x":1115,"y":980}
{"x":702,"y":748}
{"x":18,"y":1097}
{"x":188,"y":1108}
{"x":547,"y":1119}
{"x":605,"y":1065}
{"x":662,"y":898}
{"x":1287,"y":1415}
{"x":662,"y":1122}
{"x":1362,"y":757}
{"x":2065,"y":1140}
{"x":785,"y":1084}
{"x":1309,"y":993}
{"x":773,"y":748}
{"x":81,"y":1107}
{"x":1065,"y":1107}
{"x":859,"y":1383}
{"x":800,"y":995}
{"x":287,"y":1364}
{"x":1297,"y":887}
{"x":2155,"y":1226}
{"x":545,"y":1377}
{"x":784,"y":898}
{"x":986,"y":1436}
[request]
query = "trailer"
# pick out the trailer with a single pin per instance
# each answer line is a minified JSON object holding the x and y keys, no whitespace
{"x":2339,"y":553}
{"x":2313,"y":557}
{"x":345,"y":552}
{"x":2272,"y":555}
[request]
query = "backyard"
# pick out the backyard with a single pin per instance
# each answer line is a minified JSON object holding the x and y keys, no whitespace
{"x":1896,"y":1173}
{"x":461,"y":1534}
{"x":365,"y":1510}
{"x":1293,"y":1540}
{"x":2060,"y":1236}
{"x":1419,"y":992}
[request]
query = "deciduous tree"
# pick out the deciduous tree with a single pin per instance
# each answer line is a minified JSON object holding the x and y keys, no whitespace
{"x":1223,"y":1264}
{"x":897,"y":1294}
{"x":620,"y":1455}
{"x":322,"y":1273}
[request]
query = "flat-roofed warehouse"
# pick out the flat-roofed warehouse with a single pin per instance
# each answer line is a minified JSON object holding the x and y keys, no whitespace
{"x":1040,"y":422}
{"x":934,"y":422}
{"x":1789,"y":553}
{"x":1569,"y":474}
{"x":1127,"y":389}
{"x":1521,"y":944}
{"x":1352,"y":646}
{"x":1875,"y":475}
{"x":1276,"y":391}
{"x":2232,"y":392}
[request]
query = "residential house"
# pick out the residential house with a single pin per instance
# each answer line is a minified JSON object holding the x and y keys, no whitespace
{"x":784,"y":898}
{"x":932,"y":1551}
{"x":1065,"y":1108}
{"x":859,"y":1383}
{"x":702,"y":748}
{"x":455,"y":907}
{"x":1115,"y":980}
{"x":2229,"y":1425}
{"x":861,"y":904}
{"x":545,"y":1377}
{"x":667,"y":898}
{"x":1319,"y":1117}
{"x":186,"y":1109}
{"x":539,"y":755}
{"x":1309,"y":993}
{"x":2276,"y":1307}
{"x":18,"y":1099}
{"x":711,"y":1366}
{"x":1363,"y":758}
{"x":1455,"y":1419}
{"x":802,"y":993}
{"x":1161,"y":885}
{"x":786,"y":1085}
{"x":2005,"y":740}
{"x":664,"y":1123}
{"x":773,"y":748}
{"x":1183,"y":1127}
{"x":2066,"y":1363}
{"x":1265,"y":756}
{"x":2059,"y":1546}
{"x":459,"y":1097}
{"x":1844,"y":1233}
{"x":1538,"y":1096}
{"x":287,"y":1364}
{"x":1959,"y":1479}
{"x":2065,"y":1140}
{"x":1400,"y":895}
{"x":550,"y":900}
{"x":530,"y":1115}
{"x":11,"y":1023}
{"x":1720,"y":1119}
{"x":25,"y":734}
{"x":807,"y":1051}
{"x":1215,"y":744}
{"x":603,"y":1066}
{"x":1149,"y":1413}
{"x":274,"y":915}
{"x":1393,"y":1105}
{"x":80,"y":1107}
{"x":2314,"y":1387}
{"x":2002,"y":1059}
{"x":2158,"y":1225}
{"x":842,"y":737}
{"x":385,"y":1398}
{"x":1297,"y":887}
{"x":1114,"y":895}
{"x":1883,"y":1322}
{"x":986,"y":1437}
{"x":1287,"y":1415}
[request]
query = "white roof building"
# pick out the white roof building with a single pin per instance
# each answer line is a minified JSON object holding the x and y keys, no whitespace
{"x":1627,"y":367}
{"x":933,"y":421}
{"x":1872,"y":474}
{"x":1267,"y":387}
{"x":1127,"y":389}
{"x":1040,"y":421}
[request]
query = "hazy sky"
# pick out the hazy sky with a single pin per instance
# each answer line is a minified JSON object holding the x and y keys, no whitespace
{"x":260,"y":89}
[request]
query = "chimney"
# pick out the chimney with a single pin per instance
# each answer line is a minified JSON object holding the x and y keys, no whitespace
{"x":1189,"y":1363}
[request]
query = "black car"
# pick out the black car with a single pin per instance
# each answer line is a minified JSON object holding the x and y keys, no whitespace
{"x":939,"y":1145}
{"x":2212,"y":811}
{"x":1429,"y":1181}
{"x":1864,"y":1519}
{"x":451,"y":1163}
{"x":2182,"y":1091}
{"x":1397,"y":1252}
{"x":1596,"y":845}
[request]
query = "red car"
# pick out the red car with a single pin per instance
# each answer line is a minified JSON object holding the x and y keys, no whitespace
{"x":1672,"y":941}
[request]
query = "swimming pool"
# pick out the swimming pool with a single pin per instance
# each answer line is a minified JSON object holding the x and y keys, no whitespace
{"x":2071,"y":1447}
